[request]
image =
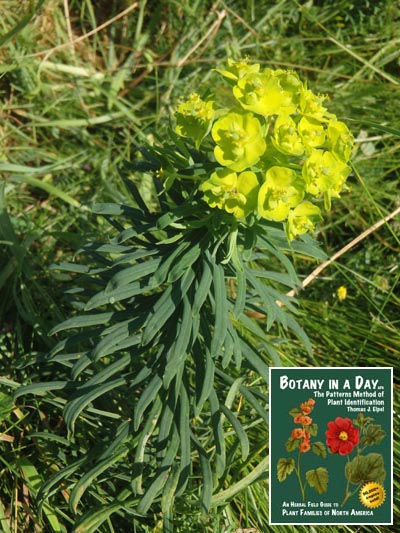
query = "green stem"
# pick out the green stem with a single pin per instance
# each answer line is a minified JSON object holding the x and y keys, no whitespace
{"x":302,"y":488}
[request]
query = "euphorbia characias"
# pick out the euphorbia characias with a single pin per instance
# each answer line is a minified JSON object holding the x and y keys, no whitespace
{"x":278,"y":153}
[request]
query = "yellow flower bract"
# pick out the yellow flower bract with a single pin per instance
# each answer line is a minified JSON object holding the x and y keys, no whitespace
{"x":278,"y":151}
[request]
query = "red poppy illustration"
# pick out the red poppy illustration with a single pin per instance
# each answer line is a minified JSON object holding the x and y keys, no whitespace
{"x":342,"y":436}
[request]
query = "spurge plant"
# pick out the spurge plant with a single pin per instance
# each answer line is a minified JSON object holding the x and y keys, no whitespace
{"x":164,"y":354}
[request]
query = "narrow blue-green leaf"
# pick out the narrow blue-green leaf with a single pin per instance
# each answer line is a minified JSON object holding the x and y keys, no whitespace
{"x":207,"y":480}
{"x":90,"y":522}
{"x":280,"y":277}
{"x":249,"y":396}
{"x":83,"y":321}
{"x":148,"y":428}
{"x":146,"y":398}
{"x":166,"y":305}
{"x":113,"y":209}
{"x":220,"y":310}
{"x":299,"y":331}
{"x":203,"y":288}
{"x":185,"y":261}
{"x":116,"y":295}
{"x":240,"y":300}
{"x":264,"y":244}
{"x":204,"y":381}
{"x":161,"y":475}
{"x":184,"y":434}
{"x":40,"y":388}
{"x":239,"y":430}
{"x":255,"y":361}
{"x":75,"y":407}
{"x":228,"y":347}
{"x":87,"y":479}
{"x":117,"y":337}
{"x":218,"y":432}
{"x":177,"y":354}
{"x":131,"y":274}
{"x":273,"y":311}
{"x":165,"y":266}
{"x":51,"y":485}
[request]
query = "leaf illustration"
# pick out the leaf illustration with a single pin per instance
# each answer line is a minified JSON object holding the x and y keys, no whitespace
{"x":313,"y":429}
{"x":292,"y":444}
{"x":318,"y":479}
{"x":366,"y":468}
{"x":319,"y":449}
{"x":295,"y":411}
{"x":373,"y":434}
{"x":284,"y":468}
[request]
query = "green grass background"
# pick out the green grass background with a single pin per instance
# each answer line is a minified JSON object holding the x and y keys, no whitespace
{"x":82,"y":83}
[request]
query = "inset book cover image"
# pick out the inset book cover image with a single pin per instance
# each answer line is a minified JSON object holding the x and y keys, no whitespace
{"x":331,"y":452}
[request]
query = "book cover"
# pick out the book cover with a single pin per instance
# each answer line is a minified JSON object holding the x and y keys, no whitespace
{"x":331,"y":453}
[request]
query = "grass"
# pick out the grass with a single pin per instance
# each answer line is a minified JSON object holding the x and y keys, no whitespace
{"x":82,"y":84}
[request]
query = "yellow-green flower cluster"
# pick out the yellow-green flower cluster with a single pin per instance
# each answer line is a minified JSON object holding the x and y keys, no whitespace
{"x":278,"y":151}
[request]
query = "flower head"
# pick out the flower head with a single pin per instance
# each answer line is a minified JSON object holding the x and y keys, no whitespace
{"x":239,"y":140}
{"x":235,"y":70}
{"x":297,"y":433}
{"x":305,"y":446}
{"x":194,"y":118}
{"x":282,"y":190}
{"x":302,"y":219}
{"x":325,"y":175}
{"x":237,"y":194}
{"x":265,"y":93}
{"x":342,"y":436}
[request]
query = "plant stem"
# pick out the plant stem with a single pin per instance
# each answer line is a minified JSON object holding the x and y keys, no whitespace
{"x":299,"y":477}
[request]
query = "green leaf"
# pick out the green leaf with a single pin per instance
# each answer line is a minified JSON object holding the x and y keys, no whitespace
{"x":255,"y":360}
{"x":90,"y":522}
{"x":87,"y":479}
{"x":161,"y":475}
{"x":240,"y":299}
{"x":202,"y":288}
{"x":295,"y":412}
{"x":218,"y":432}
{"x":41,"y":388}
{"x":207,"y":488}
{"x":204,"y":377}
{"x":83,"y":321}
{"x":148,"y":428}
{"x":146,"y":398}
{"x":292,"y":444}
{"x":166,"y":306}
{"x":74,"y":407}
{"x":239,"y":430}
{"x":313,"y":429}
{"x":184,"y":434}
{"x":319,"y":449}
{"x":177,"y":354}
{"x":117,"y":295}
{"x":186,"y":260}
{"x":284,"y":468}
{"x":365,"y":468}
{"x":372,"y":434}
{"x":220,"y":309}
{"x":165,"y":266}
{"x":131,"y":274}
{"x":318,"y":479}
